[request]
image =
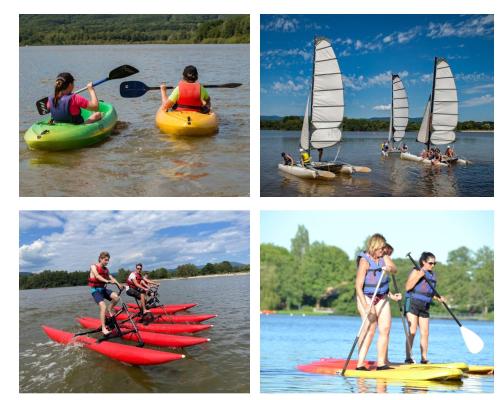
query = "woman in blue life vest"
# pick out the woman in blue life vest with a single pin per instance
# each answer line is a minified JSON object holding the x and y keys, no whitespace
{"x":66,"y":106}
{"x":418,"y":299}
{"x":189,"y":95}
{"x":372,"y":263}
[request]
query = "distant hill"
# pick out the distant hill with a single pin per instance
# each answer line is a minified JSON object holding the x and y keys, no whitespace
{"x":78,"y":29}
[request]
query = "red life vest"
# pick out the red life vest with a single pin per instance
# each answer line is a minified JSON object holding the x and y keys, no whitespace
{"x":104,"y":272}
{"x":189,"y":97}
{"x":138,"y":278}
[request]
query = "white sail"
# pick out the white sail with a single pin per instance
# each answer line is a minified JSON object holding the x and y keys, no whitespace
{"x":423,"y":132}
{"x":445,"y":105}
{"x":304,"y":136}
{"x":399,"y":109}
{"x":327,"y":109}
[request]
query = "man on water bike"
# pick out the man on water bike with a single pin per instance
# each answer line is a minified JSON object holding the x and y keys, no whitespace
{"x":98,"y":278}
{"x":138,"y":286}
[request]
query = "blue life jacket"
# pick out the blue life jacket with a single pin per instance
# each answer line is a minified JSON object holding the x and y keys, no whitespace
{"x":373,"y":276}
{"x":60,"y":113}
{"x":422,"y":290}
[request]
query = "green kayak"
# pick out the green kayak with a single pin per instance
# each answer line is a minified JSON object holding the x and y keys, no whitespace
{"x":63,"y":136}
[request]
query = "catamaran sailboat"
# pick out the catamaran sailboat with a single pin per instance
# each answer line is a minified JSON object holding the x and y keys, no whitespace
{"x":323,"y":116}
{"x":399,"y":116}
{"x":440,"y":116}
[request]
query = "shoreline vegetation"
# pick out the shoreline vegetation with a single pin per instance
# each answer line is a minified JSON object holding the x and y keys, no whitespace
{"x":98,"y":29}
{"x":294,"y":123}
{"x":52,"y":279}
{"x":318,"y":278}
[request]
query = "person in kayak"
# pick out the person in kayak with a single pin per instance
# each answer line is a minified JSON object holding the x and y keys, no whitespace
{"x":138,"y":286}
{"x":418,"y":299}
{"x":65,"y":106}
{"x":98,"y":278}
{"x":189,"y":95}
{"x":371,"y":264}
{"x":287,"y":159}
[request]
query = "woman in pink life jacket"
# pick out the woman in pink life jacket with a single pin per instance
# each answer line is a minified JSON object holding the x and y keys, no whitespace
{"x":189,"y":95}
{"x":66,"y":107}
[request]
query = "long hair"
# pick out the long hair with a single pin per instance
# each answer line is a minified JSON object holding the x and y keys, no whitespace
{"x":63,"y":80}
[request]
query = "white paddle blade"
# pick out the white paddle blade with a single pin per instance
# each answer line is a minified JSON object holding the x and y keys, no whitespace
{"x":473,"y":342}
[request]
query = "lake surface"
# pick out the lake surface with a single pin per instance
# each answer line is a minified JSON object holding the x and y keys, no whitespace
{"x":288,"y":341}
{"x":221,"y":365}
{"x":390,"y":176}
{"x":138,"y":160}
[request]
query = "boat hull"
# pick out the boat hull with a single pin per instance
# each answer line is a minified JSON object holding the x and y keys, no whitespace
{"x":302,"y":172}
{"x":336,"y":168}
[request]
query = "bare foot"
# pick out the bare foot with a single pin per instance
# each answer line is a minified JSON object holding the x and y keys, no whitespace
{"x":105,"y":331}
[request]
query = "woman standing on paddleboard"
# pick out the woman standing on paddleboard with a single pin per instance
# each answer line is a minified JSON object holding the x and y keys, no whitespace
{"x":418,"y":299}
{"x":372,"y":283}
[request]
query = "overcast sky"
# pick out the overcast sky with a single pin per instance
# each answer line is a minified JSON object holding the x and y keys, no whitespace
{"x":72,"y":240}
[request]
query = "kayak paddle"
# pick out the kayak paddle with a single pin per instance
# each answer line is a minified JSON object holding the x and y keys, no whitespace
{"x":407,"y":335}
{"x":362,"y":324}
{"x":473,"y":342}
{"x":121,"y":72}
{"x":131,"y":89}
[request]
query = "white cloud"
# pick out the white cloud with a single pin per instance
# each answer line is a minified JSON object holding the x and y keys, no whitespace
{"x":472,"y":27}
{"x":478,"y":101}
{"x":282,"y":24}
{"x":382,"y":107}
{"x":473,"y":77}
{"x":132,"y":236}
{"x":287,"y":86}
{"x":479,"y":88}
{"x":362,"y":82}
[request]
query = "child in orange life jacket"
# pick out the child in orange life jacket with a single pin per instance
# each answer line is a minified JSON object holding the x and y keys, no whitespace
{"x":98,"y":278}
{"x":66,"y":107}
{"x":189,"y":95}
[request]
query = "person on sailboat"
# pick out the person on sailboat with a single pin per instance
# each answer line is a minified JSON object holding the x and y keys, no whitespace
{"x":404,"y":148}
{"x":449,"y":152}
{"x":418,"y":299}
{"x":287,"y":159}
{"x":305,"y":158}
{"x":373,"y":269}
{"x":320,"y":154}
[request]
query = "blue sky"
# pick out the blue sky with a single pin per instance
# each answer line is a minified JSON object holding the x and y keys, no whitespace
{"x":72,"y":240}
{"x":407,"y":231}
{"x":369,"y":48}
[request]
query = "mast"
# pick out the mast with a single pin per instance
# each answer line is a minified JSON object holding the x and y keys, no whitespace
{"x":391,"y":122}
{"x":311,"y":94}
{"x":429,"y":127}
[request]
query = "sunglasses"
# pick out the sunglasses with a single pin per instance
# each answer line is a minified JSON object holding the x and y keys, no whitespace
{"x":432,"y":262}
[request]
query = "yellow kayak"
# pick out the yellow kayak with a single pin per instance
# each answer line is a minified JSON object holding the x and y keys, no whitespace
{"x":187,"y":123}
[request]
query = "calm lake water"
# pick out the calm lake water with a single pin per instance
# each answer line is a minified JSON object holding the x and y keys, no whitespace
{"x":221,"y":365}
{"x":390,"y":176}
{"x":138,"y":160}
{"x":286,"y":342}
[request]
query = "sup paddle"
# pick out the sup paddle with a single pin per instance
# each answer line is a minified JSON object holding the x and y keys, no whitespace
{"x":401,"y":311}
{"x":132,"y":89}
{"x":121,"y":72}
{"x":473,"y":342}
{"x":362,"y":324}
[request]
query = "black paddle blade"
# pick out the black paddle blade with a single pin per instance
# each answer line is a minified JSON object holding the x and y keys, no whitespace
{"x":41,"y":106}
{"x":122,"y":72}
{"x":131,"y":89}
{"x":223,"y":86}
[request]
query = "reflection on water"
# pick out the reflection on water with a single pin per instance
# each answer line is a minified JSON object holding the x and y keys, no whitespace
{"x":138,"y":160}
{"x":390,"y":176}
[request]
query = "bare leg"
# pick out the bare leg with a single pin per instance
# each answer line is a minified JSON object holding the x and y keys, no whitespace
{"x":366,"y":335}
{"x":423,"y":324}
{"x":384,"y":327}
{"x":412,"y":330}
{"x":102,"y":317}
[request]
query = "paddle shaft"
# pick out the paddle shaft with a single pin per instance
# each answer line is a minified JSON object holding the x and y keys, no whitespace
{"x":407,"y":335}
{"x":362,"y":324}
{"x":418,"y":267}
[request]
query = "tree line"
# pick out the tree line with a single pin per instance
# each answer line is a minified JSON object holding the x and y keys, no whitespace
{"x":52,"y":279}
{"x":64,"y":29}
{"x":315,"y":275}
{"x":294,"y":123}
